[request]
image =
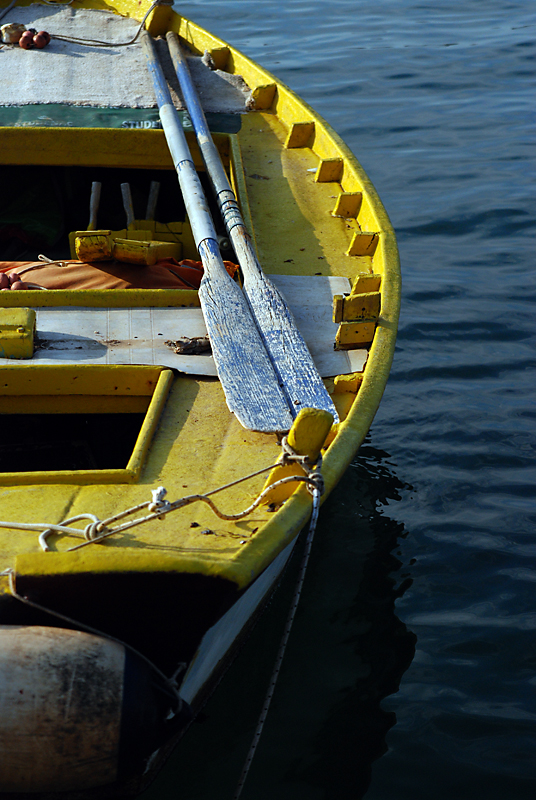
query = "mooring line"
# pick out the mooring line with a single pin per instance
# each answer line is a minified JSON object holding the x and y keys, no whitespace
{"x":317,"y":493}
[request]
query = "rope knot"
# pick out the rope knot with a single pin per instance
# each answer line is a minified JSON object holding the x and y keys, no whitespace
{"x":158,"y":503}
{"x":316,"y":482}
{"x":315,"y":479}
{"x":95,"y":530}
{"x":289,"y":456}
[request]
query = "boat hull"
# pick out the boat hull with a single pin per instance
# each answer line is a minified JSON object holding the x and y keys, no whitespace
{"x":91,"y":705}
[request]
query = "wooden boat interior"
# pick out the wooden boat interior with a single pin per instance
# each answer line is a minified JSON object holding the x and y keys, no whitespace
{"x":109,"y":426}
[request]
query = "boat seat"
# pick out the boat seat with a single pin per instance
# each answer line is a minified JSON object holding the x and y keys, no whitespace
{"x":148,"y":335}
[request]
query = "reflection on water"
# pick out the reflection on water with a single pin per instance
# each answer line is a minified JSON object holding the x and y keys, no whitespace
{"x":347,"y":651}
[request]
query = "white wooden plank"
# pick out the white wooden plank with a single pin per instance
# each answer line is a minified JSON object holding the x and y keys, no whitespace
{"x":85,"y":335}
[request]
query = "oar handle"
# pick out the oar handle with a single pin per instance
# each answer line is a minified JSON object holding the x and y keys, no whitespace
{"x":94,"y":201}
{"x":218,"y":177}
{"x":197,"y":115}
{"x":152,"y":200}
{"x":192,"y":191}
{"x":127,"y":204}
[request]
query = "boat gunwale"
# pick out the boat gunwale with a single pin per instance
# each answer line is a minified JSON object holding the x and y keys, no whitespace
{"x":286,"y":522}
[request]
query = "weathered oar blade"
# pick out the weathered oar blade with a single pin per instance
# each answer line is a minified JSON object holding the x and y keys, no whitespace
{"x":248,"y":379}
{"x":286,"y":347}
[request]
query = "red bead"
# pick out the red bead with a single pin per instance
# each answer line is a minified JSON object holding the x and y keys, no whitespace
{"x":26,"y":40}
{"x":40,"y":40}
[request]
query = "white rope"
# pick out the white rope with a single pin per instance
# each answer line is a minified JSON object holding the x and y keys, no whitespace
{"x":89,"y":42}
{"x":317,"y":492}
{"x":97,"y":42}
{"x":97,"y":530}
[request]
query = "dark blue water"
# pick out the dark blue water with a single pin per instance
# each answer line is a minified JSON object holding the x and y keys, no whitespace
{"x":411,"y":671}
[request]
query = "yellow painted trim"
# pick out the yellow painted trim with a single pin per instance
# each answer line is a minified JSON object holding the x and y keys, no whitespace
{"x":98,"y":298}
{"x":106,"y":476}
{"x":125,"y":148}
{"x":145,"y":436}
{"x":105,"y":560}
{"x":17,"y":329}
{"x":73,"y":404}
{"x":26,"y":378}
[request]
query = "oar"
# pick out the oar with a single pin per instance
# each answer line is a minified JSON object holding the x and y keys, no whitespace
{"x":94,"y":201}
{"x":248,"y":379}
{"x":126,"y":194}
{"x":287,"y":349}
{"x":152,"y":200}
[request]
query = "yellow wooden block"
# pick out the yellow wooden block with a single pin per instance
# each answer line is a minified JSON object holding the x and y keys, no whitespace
{"x":354,"y":307}
{"x":306,"y":437}
{"x":366,"y":283}
{"x":158,"y":21}
{"x":93,"y":246}
{"x":141,"y":253}
{"x":264,"y":95}
{"x":361,"y":306}
{"x":338,"y":307}
{"x":348,"y":383}
{"x":329,"y":169}
{"x":98,"y":245}
{"x":220,"y":56}
{"x":353,"y":334}
{"x":17,"y":327}
{"x":299,"y":134}
{"x":348,"y":205}
{"x":363,"y":244}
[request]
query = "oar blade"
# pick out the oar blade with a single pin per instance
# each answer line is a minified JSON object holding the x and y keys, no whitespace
{"x":288,"y":351}
{"x":244,"y":369}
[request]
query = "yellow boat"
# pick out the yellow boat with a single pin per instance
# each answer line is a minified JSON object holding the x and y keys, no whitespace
{"x":143,"y":524}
